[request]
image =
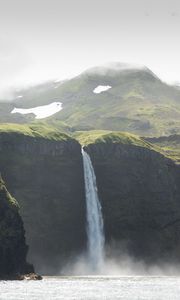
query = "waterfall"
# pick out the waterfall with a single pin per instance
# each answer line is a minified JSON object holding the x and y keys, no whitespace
{"x":95,"y":226}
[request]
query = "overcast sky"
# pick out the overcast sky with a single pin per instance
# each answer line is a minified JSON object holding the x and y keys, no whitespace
{"x":43,"y":39}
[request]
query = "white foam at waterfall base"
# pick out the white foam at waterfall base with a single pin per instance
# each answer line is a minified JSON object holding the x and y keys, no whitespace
{"x":40,"y":112}
{"x":95,"y":226}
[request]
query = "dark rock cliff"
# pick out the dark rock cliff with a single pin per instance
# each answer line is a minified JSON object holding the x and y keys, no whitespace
{"x":13,"y":248}
{"x":46,"y":176}
{"x":138,"y":187}
{"x":140,"y":194}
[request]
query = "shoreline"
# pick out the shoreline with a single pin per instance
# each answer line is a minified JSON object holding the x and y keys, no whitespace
{"x":20,"y":277}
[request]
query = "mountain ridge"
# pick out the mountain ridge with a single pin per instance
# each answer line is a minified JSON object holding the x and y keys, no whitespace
{"x":137,"y":101}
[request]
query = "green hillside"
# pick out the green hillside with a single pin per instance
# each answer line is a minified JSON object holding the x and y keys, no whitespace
{"x":170,"y":145}
{"x":137,"y":102}
{"x":34,"y":130}
{"x":103,"y":136}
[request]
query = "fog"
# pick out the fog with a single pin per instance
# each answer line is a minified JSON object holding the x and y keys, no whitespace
{"x":42,"y":40}
{"x":114,"y":66}
{"x":121,"y":265}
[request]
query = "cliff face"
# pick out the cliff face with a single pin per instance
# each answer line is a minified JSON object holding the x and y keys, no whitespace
{"x":138,"y":187}
{"x":46,"y":176}
{"x":139,"y":191}
{"x":13,"y":248}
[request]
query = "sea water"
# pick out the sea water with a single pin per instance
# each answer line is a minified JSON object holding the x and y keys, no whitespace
{"x":93,"y":288}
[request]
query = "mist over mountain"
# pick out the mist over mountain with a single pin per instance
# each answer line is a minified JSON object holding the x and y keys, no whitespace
{"x":136,"y":101}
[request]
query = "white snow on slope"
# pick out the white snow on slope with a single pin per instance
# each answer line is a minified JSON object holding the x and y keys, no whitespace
{"x":101,"y":88}
{"x":40,"y":111}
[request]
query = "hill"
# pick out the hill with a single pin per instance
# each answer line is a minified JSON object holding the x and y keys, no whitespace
{"x":114,"y":97}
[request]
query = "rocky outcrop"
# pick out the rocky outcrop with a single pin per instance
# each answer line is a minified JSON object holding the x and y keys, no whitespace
{"x":140,"y":195}
{"x":13,"y":248}
{"x":46,"y":176}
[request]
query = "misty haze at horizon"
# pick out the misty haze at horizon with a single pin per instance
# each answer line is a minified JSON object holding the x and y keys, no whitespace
{"x":50,"y":40}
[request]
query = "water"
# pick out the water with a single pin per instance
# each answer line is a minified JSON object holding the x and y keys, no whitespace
{"x":95,"y":227}
{"x":93,"y":288}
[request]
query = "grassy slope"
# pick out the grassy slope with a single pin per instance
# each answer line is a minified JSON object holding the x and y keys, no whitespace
{"x":138,"y":103}
{"x":170,"y":145}
{"x":35,"y":130}
{"x":42,"y":130}
{"x":103,"y":136}
{"x":173,"y":153}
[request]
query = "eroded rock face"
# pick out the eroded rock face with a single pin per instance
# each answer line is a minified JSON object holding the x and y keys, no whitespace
{"x":46,"y":177}
{"x":13,"y":248}
{"x":140,"y":195}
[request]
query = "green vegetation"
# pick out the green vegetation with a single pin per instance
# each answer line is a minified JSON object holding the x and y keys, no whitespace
{"x":35,"y":130}
{"x":44,"y":130}
{"x":10,"y":201}
{"x":103,"y":136}
{"x":169,"y":146}
{"x":138,"y":102}
{"x":174,"y":154}
{"x":12,"y":241}
{"x":54,"y":124}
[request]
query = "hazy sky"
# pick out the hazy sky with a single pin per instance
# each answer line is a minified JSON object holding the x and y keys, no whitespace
{"x":43,"y":39}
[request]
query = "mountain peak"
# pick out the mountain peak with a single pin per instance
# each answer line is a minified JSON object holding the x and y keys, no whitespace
{"x":115,"y":67}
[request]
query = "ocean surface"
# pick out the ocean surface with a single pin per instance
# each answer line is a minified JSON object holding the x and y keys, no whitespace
{"x":90,"y":288}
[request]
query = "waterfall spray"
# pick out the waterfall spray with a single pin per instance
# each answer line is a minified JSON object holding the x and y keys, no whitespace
{"x":95,"y":226}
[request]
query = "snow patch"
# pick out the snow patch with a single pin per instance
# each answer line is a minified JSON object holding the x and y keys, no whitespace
{"x":101,"y":88}
{"x":40,"y":111}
